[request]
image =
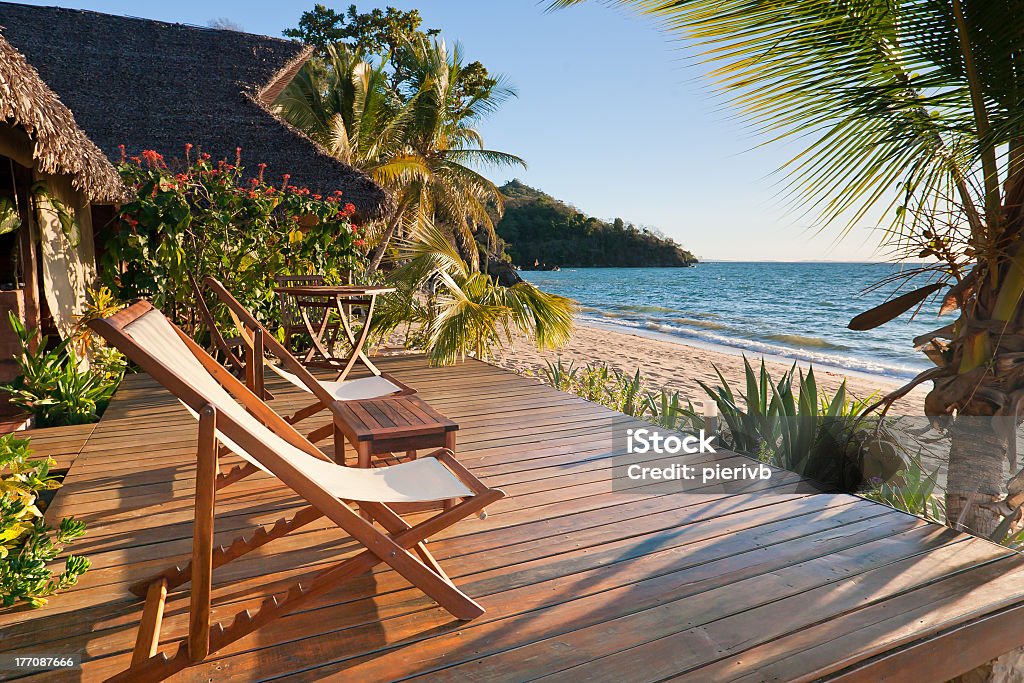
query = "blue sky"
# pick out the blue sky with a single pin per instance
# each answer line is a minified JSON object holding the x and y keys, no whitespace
{"x":610,"y":117}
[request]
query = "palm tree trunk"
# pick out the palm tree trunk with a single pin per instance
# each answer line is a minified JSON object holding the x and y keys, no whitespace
{"x":975,"y":477}
{"x":377,"y":256}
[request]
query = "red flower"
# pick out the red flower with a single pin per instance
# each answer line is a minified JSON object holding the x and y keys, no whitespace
{"x":204,"y":156}
{"x":262,"y":168}
{"x":121,"y":147}
{"x":287,"y":177}
{"x":152,"y":157}
{"x":137,"y":161}
{"x":348,"y":209}
{"x":238,"y":156}
{"x":317,"y":197}
{"x":359,"y":242}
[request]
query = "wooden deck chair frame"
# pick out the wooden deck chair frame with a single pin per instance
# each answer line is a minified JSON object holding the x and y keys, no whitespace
{"x":258,"y":340}
{"x":226,"y":348}
{"x":400,"y":545}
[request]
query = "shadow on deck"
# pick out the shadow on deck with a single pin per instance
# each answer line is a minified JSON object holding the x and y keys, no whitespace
{"x":579,"y":582}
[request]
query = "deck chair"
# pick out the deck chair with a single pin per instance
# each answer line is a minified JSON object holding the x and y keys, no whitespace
{"x":233,"y":418}
{"x":259,"y":340}
{"x":219,"y":344}
{"x":291,"y":313}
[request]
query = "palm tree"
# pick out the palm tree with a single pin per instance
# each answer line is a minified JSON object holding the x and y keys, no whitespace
{"x":458,"y":311}
{"x":913,"y":108}
{"x":420,"y":144}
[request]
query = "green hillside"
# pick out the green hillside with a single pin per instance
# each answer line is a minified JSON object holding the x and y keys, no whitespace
{"x":541,"y":229}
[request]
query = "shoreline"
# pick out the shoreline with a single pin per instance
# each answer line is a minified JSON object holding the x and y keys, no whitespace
{"x":741,"y":351}
{"x":668,"y":362}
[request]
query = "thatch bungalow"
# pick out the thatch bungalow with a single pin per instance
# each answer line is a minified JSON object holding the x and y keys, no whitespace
{"x":45,"y":262}
{"x":76,"y":85}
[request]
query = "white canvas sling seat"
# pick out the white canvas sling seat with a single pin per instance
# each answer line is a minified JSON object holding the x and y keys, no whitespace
{"x":421,"y":480}
{"x":359,"y":389}
{"x":232,"y":415}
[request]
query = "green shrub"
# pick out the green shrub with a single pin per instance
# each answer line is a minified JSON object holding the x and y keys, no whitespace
{"x":206,"y":218}
{"x":627,"y":394}
{"x":913,"y":491}
{"x":27,"y":544}
{"x":54,"y":387}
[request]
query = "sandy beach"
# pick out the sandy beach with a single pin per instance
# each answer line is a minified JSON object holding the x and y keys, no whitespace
{"x":678,"y":366}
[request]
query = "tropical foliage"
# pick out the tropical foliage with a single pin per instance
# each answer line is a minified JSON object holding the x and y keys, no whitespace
{"x":625,"y":393}
{"x":404,"y":107}
{"x":54,"y":385}
{"x":206,"y":219}
{"x":540,"y":229}
{"x":452,"y":310}
{"x":912,"y":111}
{"x":27,"y":544}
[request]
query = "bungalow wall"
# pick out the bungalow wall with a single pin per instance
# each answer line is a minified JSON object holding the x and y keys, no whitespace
{"x":48,"y":263}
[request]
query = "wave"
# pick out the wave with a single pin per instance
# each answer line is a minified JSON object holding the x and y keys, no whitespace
{"x":800,"y":340}
{"x":707,"y":324}
{"x":645,"y":308}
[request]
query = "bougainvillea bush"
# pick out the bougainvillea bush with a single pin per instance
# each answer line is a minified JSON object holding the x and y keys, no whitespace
{"x":207,"y":218}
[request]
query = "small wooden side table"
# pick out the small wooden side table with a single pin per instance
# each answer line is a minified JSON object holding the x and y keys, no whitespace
{"x":390,"y":424}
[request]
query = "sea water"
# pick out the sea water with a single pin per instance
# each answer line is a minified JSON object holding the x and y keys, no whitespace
{"x":797,"y":311}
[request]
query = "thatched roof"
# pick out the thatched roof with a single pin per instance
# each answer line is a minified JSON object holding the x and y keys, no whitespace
{"x":154,"y":85}
{"x":58,"y":145}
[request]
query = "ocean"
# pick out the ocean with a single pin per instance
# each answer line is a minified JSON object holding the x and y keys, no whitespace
{"x":796,"y":311}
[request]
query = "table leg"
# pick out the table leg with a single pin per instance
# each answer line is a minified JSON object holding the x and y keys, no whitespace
{"x":357,"y":344}
{"x":317,"y":344}
{"x":339,"y":445}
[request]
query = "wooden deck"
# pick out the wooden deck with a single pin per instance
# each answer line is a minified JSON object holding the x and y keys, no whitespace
{"x":579,"y":582}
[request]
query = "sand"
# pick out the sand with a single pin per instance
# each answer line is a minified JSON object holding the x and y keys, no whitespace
{"x":677,"y":366}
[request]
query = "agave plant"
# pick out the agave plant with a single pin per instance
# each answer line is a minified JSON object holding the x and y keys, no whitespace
{"x":792,"y":424}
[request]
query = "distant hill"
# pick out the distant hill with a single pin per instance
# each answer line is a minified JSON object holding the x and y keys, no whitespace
{"x":538,"y":228}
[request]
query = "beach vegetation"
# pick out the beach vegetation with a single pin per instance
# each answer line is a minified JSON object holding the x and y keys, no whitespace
{"x":451,"y":310}
{"x":907,"y":116}
{"x":623,"y":392}
{"x":792,"y":423}
{"x":28,"y":545}
{"x":913,"y":491}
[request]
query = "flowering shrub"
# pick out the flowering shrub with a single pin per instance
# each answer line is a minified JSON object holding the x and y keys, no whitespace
{"x":206,"y":218}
